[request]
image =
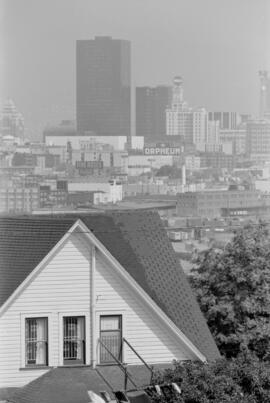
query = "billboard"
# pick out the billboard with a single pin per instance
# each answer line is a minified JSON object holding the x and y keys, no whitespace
{"x":162,"y":150}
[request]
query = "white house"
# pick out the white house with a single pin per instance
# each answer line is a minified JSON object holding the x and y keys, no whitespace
{"x":72,"y":284}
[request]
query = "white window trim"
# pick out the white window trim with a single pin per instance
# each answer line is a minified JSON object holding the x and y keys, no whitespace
{"x":32,"y":315}
{"x":120,"y":270}
{"x":86,"y":315}
{"x":109,"y":312}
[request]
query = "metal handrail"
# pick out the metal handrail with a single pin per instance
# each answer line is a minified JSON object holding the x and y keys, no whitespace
{"x":138,"y":355}
{"x":121,"y":366}
{"x":104,"y":379}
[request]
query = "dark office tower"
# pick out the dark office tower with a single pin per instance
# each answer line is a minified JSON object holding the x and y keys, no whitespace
{"x":151,"y":104}
{"x":103,"y":86}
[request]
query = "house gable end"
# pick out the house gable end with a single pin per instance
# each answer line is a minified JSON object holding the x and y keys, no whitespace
{"x":37,"y":269}
{"x":79,"y":228}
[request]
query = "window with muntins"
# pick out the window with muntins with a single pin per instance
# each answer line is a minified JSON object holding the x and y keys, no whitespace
{"x":111,"y":337}
{"x":36,"y":341}
{"x":74,"y":340}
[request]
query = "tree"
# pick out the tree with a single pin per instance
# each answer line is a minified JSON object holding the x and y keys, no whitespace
{"x":241,"y":380}
{"x":232,"y":288}
{"x":169,"y":170}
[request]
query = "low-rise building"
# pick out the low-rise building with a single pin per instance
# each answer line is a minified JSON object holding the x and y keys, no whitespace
{"x":109,"y":191}
{"x":192,"y":162}
{"x":217,"y":160}
{"x":78,"y":141}
{"x":210,"y":203}
{"x":19,"y":199}
{"x":238,"y":139}
{"x":139,"y":163}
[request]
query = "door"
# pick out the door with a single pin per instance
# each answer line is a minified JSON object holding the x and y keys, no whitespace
{"x":111,"y":337}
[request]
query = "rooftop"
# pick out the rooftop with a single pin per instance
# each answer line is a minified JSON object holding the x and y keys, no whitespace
{"x":138,"y":242}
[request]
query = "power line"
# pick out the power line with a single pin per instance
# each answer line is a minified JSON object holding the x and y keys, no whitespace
{"x":137,"y":230}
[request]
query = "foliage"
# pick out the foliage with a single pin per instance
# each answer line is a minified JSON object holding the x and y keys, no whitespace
{"x":170,"y":171}
{"x":232,"y":288}
{"x":241,"y":380}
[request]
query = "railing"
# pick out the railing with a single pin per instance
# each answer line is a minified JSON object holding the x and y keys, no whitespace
{"x":122,"y":365}
{"x":150,"y":368}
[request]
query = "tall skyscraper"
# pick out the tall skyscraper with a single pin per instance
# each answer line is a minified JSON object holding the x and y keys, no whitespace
{"x":179,"y":117}
{"x":11,"y":121}
{"x":181,"y":120}
{"x":264,"y":111}
{"x":103,"y":86}
{"x":151,"y":104}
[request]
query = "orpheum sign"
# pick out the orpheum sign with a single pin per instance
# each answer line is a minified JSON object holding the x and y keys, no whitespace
{"x":162,"y":150}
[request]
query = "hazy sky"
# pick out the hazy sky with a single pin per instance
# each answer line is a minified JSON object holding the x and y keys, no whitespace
{"x":218,"y":46}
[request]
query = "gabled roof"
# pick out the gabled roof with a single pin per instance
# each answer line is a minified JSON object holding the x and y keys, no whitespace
{"x":136,"y":239}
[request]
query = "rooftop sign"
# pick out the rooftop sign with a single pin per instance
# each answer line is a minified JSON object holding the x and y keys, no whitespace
{"x":162,"y":150}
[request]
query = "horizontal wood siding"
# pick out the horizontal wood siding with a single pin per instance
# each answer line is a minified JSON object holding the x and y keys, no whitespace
{"x":141,"y":327}
{"x":62,"y":286}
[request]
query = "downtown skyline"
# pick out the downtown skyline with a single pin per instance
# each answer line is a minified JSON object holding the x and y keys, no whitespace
{"x":217,"y":47}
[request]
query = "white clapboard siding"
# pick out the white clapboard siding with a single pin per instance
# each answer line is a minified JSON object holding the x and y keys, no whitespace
{"x":62,"y":286}
{"x":141,"y":327}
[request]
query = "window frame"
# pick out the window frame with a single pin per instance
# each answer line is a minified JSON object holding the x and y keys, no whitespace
{"x":46,"y":363}
{"x":108,"y":312}
{"x":119,"y":331}
{"x":34,"y":315}
{"x":87,"y":337}
{"x":76,"y":361}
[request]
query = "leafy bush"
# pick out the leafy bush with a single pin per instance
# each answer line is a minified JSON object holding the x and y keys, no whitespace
{"x":233,"y":290}
{"x":245,"y":379}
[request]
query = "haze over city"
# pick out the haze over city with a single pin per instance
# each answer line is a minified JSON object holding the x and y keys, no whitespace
{"x":217,"y":46}
{"x":134,"y":201}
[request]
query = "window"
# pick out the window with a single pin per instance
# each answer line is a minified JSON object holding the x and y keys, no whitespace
{"x":74,"y":340}
{"x":111,"y":337}
{"x":36,"y":341}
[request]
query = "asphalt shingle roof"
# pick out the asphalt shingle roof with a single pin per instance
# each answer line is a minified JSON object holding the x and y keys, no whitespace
{"x":136,"y":239}
{"x":70,"y":385}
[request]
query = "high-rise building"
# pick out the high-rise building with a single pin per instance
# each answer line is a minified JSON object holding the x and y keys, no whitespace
{"x":103,"y":86}
{"x":213,"y":133}
{"x":200,"y":126}
{"x":258,"y":140}
{"x":181,"y":120}
{"x":264,"y":111}
{"x":179,"y":117}
{"x":151,"y":104}
{"x":227,"y":120}
{"x":11,"y":121}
